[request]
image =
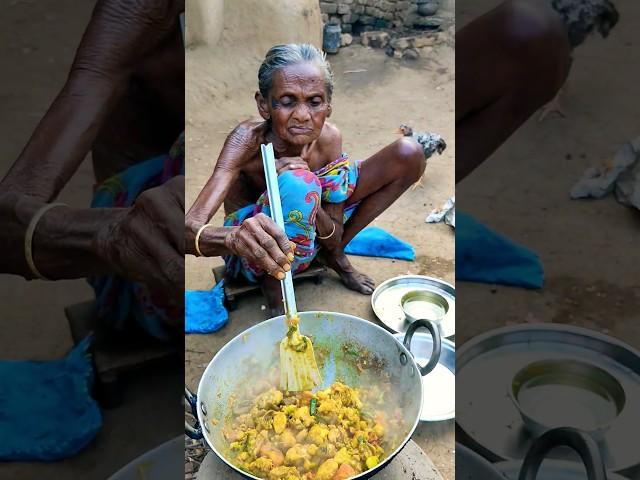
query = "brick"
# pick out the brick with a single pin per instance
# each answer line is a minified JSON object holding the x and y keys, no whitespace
{"x":325,"y":18}
{"x":343,"y":9}
{"x":367,"y":20}
{"x":420,"y":42}
{"x":329,"y":8}
{"x":427,"y":9}
{"x":402,"y":5}
{"x":375,"y":39}
{"x":347,"y":28}
{"x":432,"y":23}
{"x":400,"y":43}
{"x":350,"y":18}
{"x":373,"y":11}
{"x":334,"y":20}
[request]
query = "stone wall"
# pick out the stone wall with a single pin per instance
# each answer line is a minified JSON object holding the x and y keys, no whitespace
{"x":357,"y":16}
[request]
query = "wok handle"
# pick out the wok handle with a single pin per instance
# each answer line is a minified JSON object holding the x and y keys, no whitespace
{"x":579,"y":441}
{"x":192,"y":431}
{"x":437,"y":343}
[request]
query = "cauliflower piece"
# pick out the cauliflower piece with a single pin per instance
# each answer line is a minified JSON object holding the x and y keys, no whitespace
{"x":284,"y":473}
{"x":262,"y":465}
{"x":302,"y":417}
{"x":318,"y":434}
{"x":269,"y":399}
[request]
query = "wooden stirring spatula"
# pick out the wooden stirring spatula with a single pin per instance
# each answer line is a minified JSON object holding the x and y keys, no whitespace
{"x":298,"y":367}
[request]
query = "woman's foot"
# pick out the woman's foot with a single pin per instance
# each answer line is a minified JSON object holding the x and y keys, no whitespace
{"x":352,"y":278}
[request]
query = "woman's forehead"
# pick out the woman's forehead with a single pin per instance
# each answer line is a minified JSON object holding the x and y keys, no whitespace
{"x":303,"y":77}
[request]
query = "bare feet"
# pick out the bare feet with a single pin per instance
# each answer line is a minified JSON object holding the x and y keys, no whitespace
{"x":273,"y":294}
{"x":352,"y":278}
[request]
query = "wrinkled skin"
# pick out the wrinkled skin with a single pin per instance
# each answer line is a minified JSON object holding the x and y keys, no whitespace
{"x":123,"y":101}
{"x":294,"y":120}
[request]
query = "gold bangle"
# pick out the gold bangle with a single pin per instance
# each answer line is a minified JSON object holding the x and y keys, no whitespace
{"x":28,"y":237}
{"x":200,"y":230}
{"x":330,"y":235}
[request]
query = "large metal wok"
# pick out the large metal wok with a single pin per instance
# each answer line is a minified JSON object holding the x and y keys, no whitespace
{"x":349,"y":349}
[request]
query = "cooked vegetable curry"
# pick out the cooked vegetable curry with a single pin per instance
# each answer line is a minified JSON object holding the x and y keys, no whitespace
{"x":305,"y":436}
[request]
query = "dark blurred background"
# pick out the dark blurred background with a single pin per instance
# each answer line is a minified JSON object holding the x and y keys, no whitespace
{"x":37,"y":45}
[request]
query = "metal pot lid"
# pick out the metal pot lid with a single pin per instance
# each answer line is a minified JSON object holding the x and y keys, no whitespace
{"x":438,"y":386}
{"x":486,"y":368}
{"x":551,"y":470}
{"x":386,"y":301}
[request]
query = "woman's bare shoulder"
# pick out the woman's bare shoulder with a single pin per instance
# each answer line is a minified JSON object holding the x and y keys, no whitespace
{"x":330,"y":141}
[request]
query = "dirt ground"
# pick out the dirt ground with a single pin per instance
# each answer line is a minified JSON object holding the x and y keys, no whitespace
{"x":367,"y":107}
{"x":37,"y":45}
{"x":589,"y":248}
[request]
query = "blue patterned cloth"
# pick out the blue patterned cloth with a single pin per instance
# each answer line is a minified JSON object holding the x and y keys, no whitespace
{"x":484,"y":256}
{"x":204,"y":310}
{"x":119,"y":300}
{"x":376,"y":242}
{"x":301,"y":194}
{"x":46,"y":411}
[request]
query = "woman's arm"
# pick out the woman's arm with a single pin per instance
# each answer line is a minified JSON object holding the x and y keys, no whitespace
{"x":258,"y":239}
{"x":119,"y":35}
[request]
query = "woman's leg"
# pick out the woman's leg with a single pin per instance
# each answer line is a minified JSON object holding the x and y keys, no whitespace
{"x":509,"y":63}
{"x":383,"y":178}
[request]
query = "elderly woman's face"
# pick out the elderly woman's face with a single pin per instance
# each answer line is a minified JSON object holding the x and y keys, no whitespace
{"x":298,"y":104}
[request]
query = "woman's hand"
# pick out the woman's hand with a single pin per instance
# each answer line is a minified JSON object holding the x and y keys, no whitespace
{"x":262,"y":243}
{"x":284,"y":164}
{"x":145,"y":243}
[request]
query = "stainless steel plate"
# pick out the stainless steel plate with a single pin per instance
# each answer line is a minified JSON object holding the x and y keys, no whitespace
{"x":439,"y":386}
{"x":551,"y":470}
{"x":386,"y":301}
{"x":488,"y":364}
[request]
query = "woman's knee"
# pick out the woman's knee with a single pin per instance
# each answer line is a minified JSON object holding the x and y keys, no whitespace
{"x":295,"y":185}
{"x":410,"y":158}
{"x":537,"y":41}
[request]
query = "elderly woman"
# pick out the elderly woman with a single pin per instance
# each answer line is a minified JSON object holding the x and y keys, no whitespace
{"x":327,"y":197}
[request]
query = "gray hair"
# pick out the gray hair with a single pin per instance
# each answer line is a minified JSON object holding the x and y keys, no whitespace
{"x":280,"y":56}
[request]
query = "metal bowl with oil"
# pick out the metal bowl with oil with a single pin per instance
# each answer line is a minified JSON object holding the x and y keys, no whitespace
{"x":567,"y":393}
{"x":424,"y":305}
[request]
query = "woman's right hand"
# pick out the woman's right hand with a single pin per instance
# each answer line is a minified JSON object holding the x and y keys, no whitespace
{"x":145,"y":243}
{"x":262,"y":243}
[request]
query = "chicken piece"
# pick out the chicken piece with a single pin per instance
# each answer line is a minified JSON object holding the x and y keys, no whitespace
{"x":287,"y":439}
{"x":271,"y":452}
{"x":327,"y":470}
{"x":279,"y":422}
{"x":344,"y":472}
{"x":302,"y":435}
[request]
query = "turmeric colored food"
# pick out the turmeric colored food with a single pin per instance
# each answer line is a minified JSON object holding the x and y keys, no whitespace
{"x":305,"y":436}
